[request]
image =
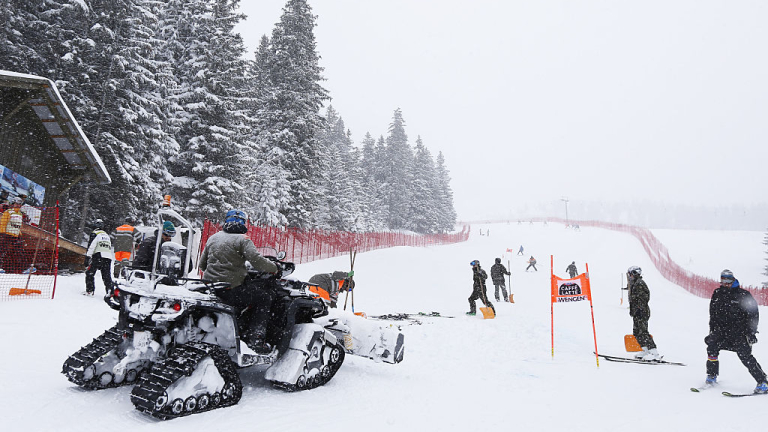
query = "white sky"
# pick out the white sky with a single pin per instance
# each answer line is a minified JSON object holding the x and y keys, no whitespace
{"x":610,"y":100}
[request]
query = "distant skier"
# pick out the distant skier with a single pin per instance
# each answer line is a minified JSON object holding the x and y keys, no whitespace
{"x":497,"y":276}
{"x":571,"y":269}
{"x":639,"y":296}
{"x":99,"y":258}
{"x":520,"y":252}
{"x":733,"y":319}
{"x":478,"y":289}
{"x":531,"y":263}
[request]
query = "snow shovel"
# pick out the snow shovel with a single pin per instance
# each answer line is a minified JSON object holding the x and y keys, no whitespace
{"x":488,"y":312}
{"x":24,"y":291}
{"x":511,"y":296}
{"x":631,"y":344}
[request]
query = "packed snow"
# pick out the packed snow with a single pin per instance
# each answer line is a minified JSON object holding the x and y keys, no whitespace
{"x":461,"y":373}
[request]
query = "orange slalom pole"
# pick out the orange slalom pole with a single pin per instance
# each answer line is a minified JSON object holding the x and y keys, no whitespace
{"x":592,"y":310}
{"x":551,"y":303}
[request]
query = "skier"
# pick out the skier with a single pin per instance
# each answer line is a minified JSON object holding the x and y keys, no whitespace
{"x":497,"y":276}
{"x":639,"y":296}
{"x":531,"y":263}
{"x":145,"y":257}
{"x":733,"y":319}
{"x":223,"y":260}
{"x":520,"y":252}
{"x":478,"y":289}
{"x":571,"y":269}
{"x":99,"y":258}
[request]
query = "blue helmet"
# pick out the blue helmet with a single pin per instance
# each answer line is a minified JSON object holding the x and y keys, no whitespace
{"x":169,"y":229}
{"x":236,"y":217}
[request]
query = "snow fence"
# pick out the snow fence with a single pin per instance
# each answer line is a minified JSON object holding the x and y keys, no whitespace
{"x":303,"y":246}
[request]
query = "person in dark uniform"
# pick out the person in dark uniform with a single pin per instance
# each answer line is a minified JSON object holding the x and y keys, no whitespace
{"x":478,"y":289}
{"x":733,"y":319}
{"x":639,"y":296}
{"x":145,"y":256}
{"x":99,"y":258}
{"x":497,"y":276}
{"x":571,"y":269}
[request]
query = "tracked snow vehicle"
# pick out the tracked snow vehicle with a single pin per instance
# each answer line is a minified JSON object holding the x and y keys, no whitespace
{"x":179,"y":345}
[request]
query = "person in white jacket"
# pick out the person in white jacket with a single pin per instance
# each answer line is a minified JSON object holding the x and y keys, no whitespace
{"x":99,"y":257}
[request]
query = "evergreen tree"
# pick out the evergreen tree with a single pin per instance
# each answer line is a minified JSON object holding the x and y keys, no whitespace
{"x":445,"y":210}
{"x":210,"y":69}
{"x":398,"y":171}
{"x":425,"y":190}
{"x":765,"y":242}
{"x":289,"y":116}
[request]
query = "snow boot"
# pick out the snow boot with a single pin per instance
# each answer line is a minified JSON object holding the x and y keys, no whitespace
{"x":711,"y":380}
{"x":652,"y":355}
{"x":256,"y":341}
{"x":471,"y":313}
{"x":762,"y":388}
{"x":643,"y":353}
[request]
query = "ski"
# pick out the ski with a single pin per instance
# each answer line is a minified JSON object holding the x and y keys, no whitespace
{"x":638,"y":361}
{"x":701,"y":389}
{"x":729,"y":394}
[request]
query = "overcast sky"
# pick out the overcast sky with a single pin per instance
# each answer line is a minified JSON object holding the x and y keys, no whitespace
{"x":532,"y":101}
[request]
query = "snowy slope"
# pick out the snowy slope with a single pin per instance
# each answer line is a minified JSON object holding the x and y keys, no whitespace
{"x":462,"y":373}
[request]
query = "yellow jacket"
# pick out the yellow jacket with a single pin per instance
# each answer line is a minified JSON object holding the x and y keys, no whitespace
{"x":10,"y":222}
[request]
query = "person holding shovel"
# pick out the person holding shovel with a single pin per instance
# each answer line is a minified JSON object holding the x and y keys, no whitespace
{"x":478,"y":289}
{"x":497,"y":276}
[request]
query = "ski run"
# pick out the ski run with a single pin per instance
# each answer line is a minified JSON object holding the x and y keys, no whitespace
{"x":458,"y":374}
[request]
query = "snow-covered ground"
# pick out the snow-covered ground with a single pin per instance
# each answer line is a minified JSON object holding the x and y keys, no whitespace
{"x":461,"y":373}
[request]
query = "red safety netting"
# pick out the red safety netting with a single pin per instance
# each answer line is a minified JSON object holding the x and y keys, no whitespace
{"x":29,"y":253}
{"x":304,"y":246}
{"x":698,"y":285}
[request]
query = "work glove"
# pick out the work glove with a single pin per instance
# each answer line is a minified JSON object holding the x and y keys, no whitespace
{"x":711,"y":339}
{"x":751,"y":339}
{"x":351,"y":273}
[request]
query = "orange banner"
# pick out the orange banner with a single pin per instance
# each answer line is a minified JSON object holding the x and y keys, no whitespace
{"x":571,"y":290}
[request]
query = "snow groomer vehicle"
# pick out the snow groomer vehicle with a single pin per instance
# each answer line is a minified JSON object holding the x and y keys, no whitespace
{"x":179,"y":345}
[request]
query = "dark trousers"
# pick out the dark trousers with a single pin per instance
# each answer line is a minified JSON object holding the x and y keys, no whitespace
{"x":640,"y":330}
{"x":254,"y":305}
{"x":531,"y":265}
{"x":11,"y":254}
{"x":741,"y":348}
{"x":503,"y":291}
{"x":98,"y":263}
{"x":478,"y":293}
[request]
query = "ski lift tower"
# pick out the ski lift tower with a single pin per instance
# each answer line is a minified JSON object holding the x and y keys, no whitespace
{"x":565,"y":200}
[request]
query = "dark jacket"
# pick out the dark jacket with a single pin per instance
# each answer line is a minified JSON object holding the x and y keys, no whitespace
{"x":478,"y":278}
{"x":497,"y":273}
{"x":571,"y":270}
{"x":733,"y":313}
{"x":146,"y":254}
{"x":639,"y":296}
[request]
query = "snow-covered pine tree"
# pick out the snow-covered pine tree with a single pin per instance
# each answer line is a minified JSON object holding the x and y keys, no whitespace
{"x":340,"y":208}
{"x":373,"y":189}
{"x":210,"y":70}
{"x":399,"y":170}
{"x":266,"y":189}
{"x":425,"y":190}
{"x":22,"y":37}
{"x":289,"y":117}
{"x":446,"y":211}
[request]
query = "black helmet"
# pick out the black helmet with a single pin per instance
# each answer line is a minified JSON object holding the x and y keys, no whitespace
{"x":98,"y":224}
{"x":498,"y":260}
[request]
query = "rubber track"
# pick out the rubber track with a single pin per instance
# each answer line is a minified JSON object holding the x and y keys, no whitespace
{"x":75,"y":365}
{"x":319,"y":379}
{"x":182,"y":363}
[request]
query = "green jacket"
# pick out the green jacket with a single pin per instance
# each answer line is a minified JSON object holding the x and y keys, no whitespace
{"x":639,"y":296}
{"x":225,"y":255}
